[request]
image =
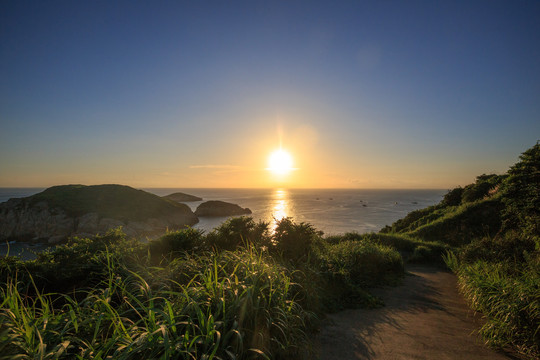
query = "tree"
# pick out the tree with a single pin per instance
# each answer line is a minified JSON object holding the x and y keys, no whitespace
{"x":522,"y":194}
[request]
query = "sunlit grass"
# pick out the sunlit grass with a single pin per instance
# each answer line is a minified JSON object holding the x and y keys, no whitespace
{"x":187,"y":295}
{"x":509,"y":298}
{"x":237,"y":305}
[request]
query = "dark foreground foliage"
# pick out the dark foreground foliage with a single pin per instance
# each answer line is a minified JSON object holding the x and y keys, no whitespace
{"x":239,"y":292}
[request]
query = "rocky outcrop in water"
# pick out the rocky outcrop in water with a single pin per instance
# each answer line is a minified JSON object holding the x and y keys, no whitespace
{"x":220,"y":208}
{"x":182,"y":197}
{"x":65,"y":211}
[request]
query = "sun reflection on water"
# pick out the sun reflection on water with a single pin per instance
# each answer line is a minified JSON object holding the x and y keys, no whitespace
{"x":280,"y":207}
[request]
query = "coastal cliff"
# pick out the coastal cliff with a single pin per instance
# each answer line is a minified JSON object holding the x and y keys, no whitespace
{"x":76,"y":210}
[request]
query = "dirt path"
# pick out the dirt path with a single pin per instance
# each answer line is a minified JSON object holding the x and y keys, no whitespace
{"x":424,"y":318}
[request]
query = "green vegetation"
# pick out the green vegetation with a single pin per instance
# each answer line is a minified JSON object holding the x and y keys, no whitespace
{"x":350,"y":267}
{"x":411,"y":249}
{"x":242,"y":291}
{"x":491,"y":230}
{"x":110,"y":201}
{"x":501,"y":278}
{"x":239,"y":292}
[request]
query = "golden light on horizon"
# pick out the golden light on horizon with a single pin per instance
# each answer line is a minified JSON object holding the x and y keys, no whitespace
{"x":280,"y":162}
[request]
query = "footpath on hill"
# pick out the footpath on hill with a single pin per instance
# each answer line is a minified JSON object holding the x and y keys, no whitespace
{"x":424,"y":318}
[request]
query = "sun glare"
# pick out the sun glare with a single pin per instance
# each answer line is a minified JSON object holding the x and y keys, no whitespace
{"x":280,"y":162}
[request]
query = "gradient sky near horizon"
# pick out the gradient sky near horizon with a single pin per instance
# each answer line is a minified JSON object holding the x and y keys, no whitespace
{"x":363,"y":94}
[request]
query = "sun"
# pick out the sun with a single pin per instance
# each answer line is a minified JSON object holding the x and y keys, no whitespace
{"x":280,"y":162}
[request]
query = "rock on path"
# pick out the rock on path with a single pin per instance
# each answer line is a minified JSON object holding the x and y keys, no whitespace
{"x":424,"y":318}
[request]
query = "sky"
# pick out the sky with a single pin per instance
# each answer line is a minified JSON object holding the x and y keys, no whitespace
{"x":362,"y":94}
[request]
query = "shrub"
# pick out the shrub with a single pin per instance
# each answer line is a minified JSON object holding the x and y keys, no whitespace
{"x":453,"y":197}
{"x":421,"y":253}
{"x":239,"y":231}
{"x":400,"y":242}
{"x":294,"y":240}
{"x":481,"y":188}
{"x":507,"y":247}
{"x":352,"y":266}
{"x":349,"y":236}
{"x":521,"y":192}
{"x":79,"y":263}
{"x":177,"y":241}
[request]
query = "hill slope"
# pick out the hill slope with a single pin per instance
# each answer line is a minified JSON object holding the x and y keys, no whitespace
{"x":67,"y":210}
{"x":493,"y":227}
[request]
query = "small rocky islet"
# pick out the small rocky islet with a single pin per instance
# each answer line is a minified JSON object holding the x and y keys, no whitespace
{"x":182,"y":197}
{"x":67,"y":211}
{"x":220,"y":208}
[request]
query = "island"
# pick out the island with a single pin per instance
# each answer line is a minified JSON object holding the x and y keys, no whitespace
{"x":66,"y":211}
{"x":182,"y":197}
{"x":220,"y":208}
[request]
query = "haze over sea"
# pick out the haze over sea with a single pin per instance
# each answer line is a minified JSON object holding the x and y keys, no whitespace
{"x":333,"y":211}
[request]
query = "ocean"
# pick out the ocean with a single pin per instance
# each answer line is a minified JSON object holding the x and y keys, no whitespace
{"x":333,"y":211}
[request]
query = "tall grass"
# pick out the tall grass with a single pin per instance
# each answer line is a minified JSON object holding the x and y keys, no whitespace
{"x":509,"y":298}
{"x":236,"y":293}
{"x":349,"y":267}
{"x":238,"y":305}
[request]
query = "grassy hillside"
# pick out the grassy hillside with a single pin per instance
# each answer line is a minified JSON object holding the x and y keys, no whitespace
{"x":493,"y":230}
{"x":111,"y":201}
{"x":464,"y":214}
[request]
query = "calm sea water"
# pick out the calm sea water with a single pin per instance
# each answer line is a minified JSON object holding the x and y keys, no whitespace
{"x":333,"y":211}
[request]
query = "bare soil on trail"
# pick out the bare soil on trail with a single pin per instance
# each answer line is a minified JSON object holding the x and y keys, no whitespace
{"x":423,"y":318}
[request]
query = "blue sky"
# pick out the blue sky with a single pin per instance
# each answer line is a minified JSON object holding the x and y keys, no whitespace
{"x":378,"y":94}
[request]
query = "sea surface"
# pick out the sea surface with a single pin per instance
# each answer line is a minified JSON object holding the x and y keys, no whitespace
{"x":334,"y":211}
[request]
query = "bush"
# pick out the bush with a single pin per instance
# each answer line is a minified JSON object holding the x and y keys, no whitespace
{"x":237,"y":232}
{"x":453,"y":197}
{"x":506,"y":247}
{"x":77,"y":264}
{"x":365,"y":264}
{"x":481,"y":188}
{"x":351,"y":266}
{"x":177,"y":241}
{"x":400,"y":242}
{"x":521,"y":192}
{"x":349,"y":236}
{"x":421,"y":254}
{"x":293,"y":240}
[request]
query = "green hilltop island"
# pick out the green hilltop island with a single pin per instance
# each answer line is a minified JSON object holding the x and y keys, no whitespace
{"x":244,"y":292}
{"x":183,"y":197}
{"x":66,"y":211}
